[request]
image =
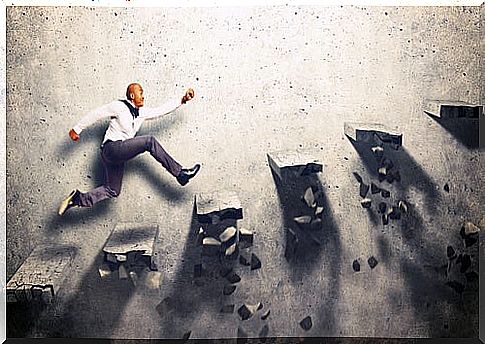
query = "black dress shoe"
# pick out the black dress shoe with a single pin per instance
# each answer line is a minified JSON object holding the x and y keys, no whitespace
{"x":187,"y":173}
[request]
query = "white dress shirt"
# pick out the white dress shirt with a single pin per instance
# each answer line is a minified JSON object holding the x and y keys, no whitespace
{"x":122,"y":125}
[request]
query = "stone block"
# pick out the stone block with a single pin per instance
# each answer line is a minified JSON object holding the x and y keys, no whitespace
{"x":246,"y":237}
{"x":220,"y":204}
{"x":372,"y":133}
{"x":132,"y":238}
{"x":247,"y":311}
{"x":306,"y":323}
{"x":366,"y":203}
{"x":210,"y":246}
{"x":255,"y":262}
{"x":228,"y":237}
{"x":291,"y":164}
{"x":309,"y":198}
{"x":364,"y":188}
{"x":243,"y":260}
{"x":452,"y":109}
{"x":232,"y":251}
{"x":44,"y":270}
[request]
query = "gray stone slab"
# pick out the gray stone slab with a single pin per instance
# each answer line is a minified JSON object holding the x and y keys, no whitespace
{"x":452,"y":109}
{"x":42,"y":273}
{"x":128,"y":239}
{"x":373,"y":133}
{"x":220,"y":204}
{"x":294,"y":163}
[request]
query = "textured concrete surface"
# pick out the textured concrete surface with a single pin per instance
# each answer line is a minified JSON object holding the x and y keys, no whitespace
{"x":266,"y":79}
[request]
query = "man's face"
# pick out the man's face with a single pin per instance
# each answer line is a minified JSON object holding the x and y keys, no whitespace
{"x":137,"y":95}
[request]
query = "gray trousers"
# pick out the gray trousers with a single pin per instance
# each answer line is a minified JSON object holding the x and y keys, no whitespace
{"x":114,"y":155}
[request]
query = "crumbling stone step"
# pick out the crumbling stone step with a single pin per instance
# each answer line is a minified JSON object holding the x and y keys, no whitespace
{"x":373,"y":133}
{"x":132,"y":241}
{"x":219,"y":205}
{"x":452,"y":109}
{"x":41,"y":275}
{"x":287,"y":164}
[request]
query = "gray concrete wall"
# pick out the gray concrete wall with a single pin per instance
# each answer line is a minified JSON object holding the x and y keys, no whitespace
{"x":266,"y":78}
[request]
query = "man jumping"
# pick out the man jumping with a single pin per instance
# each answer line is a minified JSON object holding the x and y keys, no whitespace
{"x":120,"y":144}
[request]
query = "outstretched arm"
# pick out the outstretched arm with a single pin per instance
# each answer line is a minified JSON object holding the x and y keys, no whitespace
{"x":104,"y":111}
{"x":151,"y":113}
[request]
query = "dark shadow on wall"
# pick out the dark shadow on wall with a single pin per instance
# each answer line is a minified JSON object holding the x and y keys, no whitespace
{"x":318,"y":248}
{"x":422,"y":259}
{"x":465,"y":130}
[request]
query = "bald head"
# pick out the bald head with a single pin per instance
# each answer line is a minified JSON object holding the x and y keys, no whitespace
{"x":134,"y":92}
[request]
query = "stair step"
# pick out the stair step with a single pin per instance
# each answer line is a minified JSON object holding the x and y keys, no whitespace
{"x":294,"y":163}
{"x":373,"y":133}
{"x":452,"y":109}
{"x":219,"y":205}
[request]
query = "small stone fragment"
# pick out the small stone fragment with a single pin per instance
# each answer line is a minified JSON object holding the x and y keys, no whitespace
{"x":228,"y":236}
{"x":309,"y":198}
{"x":243,"y":260}
{"x":233,"y":277}
{"x":374,"y":188}
{"x":197,"y":270}
{"x":264,"y":331}
{"x":364,"y":188}
{"x":382,"y":207}
{"x":385,"y":219}
{"x":265,"y":315}
{"x":306,"y":323}
{"x":104,"y":271}
{"x":385,"y":193}
{"x":358,"y":177}
{"x":318,"y":211}
{"x":469,"y":228}
{"x":446,"y":187}
{"x":122,"y":274}
{"x":450,"y":252}
{"x":372,"y":262}
{"x":382,"y":171}
{"x":210,"y":246}
{"x":466,"y":262}
{"x":356,"y":265}
{"x":378,"y":151}
{"x":246,"y":311}
{"x":227,"y":309}
{"x":456,"y":286}
{"x":134,"y":278}
{"x":255,"y":262}
{"x":305,"y":219}
{"x":231,"y":251}
{"x":229,"y":289}
{"x":245,"y":237}
{"x":200,"y":236}
{"x":366,"y":203}
{"x":402,"y":206}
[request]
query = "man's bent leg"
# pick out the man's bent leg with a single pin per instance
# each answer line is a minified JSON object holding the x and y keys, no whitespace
{"x":121,"y":151}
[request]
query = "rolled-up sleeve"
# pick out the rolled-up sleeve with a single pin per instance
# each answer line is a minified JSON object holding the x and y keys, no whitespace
{"x":168,"y":107}
{"x":107,"y":110}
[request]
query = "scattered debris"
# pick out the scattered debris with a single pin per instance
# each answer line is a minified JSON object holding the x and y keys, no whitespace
{"x":356,"y":265}
{"x":227,"y":309}
{"x":265,"y":315}
{"x":264,"y":331}
{"x":364,"y":188}
{"x":306,"y":323}
{"x":385,"y":193}
{"x":446,"y":187}
{"x":305,"y":219}
{"x":255,"y":262}
{"x":210,"y":246}
{"x":374,"y":188}
{"x":456,"y":286}
{"x":372,"y":262}
{"x":366,"y":203}
{"x":382,"y":171}
{"x":233,"y":277}
{"x":229,"y":289}
{"x":309,"y":198}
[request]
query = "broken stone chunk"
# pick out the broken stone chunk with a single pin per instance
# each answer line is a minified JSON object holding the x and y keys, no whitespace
{"x":294,"y":163}
{"x":382,"y":171}
{"x":227,"y":309}
{"x":450,"y":252}
{"x":152,"y":279}
{"x":466,"y":262}
{"x":255,"y":262}
{"x":364,"y":188}
{"x":446,"y":187}
{"x":228,"y":235}
{"x":200,"y":236}
{"x":469,"y":228}
{"x":318,"y":211}
{"x":366,"y":203}
{"x":197,"y":270}
{"x":456,"y":286}
{"x":122,"y":273}
{"x":356,"y":265}
{"x":382,"y":207}
{"x":385,"y":193}
{"x":372,"y":262}
{"x":245,"y":237}
{"x":229,"y":289}
{"x":210,"y":246}
{"x":378,"y":151}
{"x":306,"y":323}
{"x":265,"y":315}
{"x":264,"y":331}
{"x":104,"y":271}
{"x":233,"y":277}
{"x":309,"y":198}
{"x":243,"y":260}
{"x":231,"y":251}
{"x":374,"y":188}
{"x":358,"y":177}
{"x":402,"y":206}
{"x":305,"y":219}
{"x":247,"y":311}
